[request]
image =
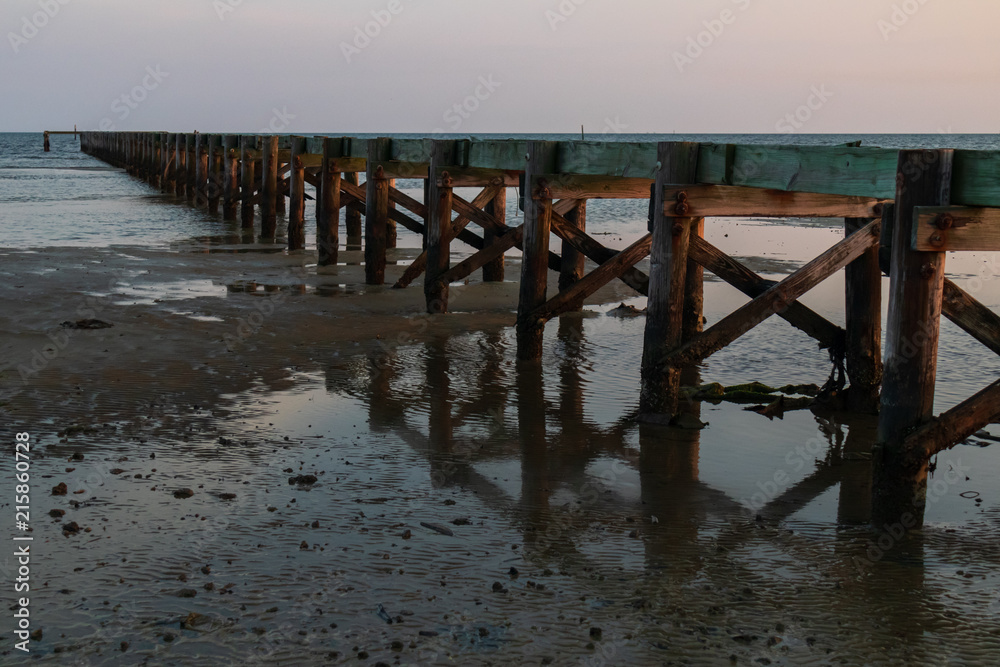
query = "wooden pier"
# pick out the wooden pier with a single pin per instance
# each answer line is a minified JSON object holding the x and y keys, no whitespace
{"x":902,"y":211}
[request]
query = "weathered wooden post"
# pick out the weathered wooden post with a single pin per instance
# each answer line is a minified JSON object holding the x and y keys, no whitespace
{"x":863,"y":338}
{"x":437,"y":230}
{"x":170,"y":170}
{"x":376,"y":211}
{"x":180,"y":169}
{"x":572,"y":259}
{"x":279,"y":200}
{"x":231,"y":182}
{"x":694,"y":292}
{"x":163,"y":157}
{"x":493,"y":271}
{"x":269,"y":187}
{"x":214,"y":173}
{"x":152,"y":159}
{"x":45,"y":139}
{"x":200,"y":169}
{"x":297,"y":195}
{"x":667,"y":275}
{"x":352,"y":217}
{"x":917,"y":285}
{"x":328,"y":206}
{"x":247,"y":181}
{"x":390,"y":224}
{"x":540,"y":160}
{"x":192,"y":164}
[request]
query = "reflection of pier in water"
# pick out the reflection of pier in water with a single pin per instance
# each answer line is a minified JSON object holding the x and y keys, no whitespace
{"x":576,"y":475}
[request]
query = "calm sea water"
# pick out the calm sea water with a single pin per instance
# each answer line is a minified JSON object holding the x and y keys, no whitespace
{"x":522,"y":452}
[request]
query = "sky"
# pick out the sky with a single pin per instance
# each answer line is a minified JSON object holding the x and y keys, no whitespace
{"x":481,"y":66}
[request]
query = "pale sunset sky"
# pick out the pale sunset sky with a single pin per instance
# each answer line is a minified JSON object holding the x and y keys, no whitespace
{"x":304,"y":66}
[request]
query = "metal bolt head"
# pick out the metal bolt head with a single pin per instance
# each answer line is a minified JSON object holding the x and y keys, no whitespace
{"x":682,"y":209}
{"x":937,"y":240}
{"x":678,"y":229}
{"x":944,"y":221}
{"x":927,"y":271}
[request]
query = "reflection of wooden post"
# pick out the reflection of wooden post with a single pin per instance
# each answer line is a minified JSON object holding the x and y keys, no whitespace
{"x":572,"y":259}
{"x":855,"y":502}
{"x":247,"y":182}
{"x":376,"y":211}
{"x":297,"y":196}
{"x":269,"y":188}
{"x":328,"y":206}
{"x":440,"y":428}
{"x":667,"y":274}
{"x":438,"y":225}
{"x":352,"y":218}
{"x":493,"y":271}
{"x":863,"y":284}
{"x":536,"y":487}
{"x":571,"y":393}
{"x":535,"y":248}
{"x":900,"y":475}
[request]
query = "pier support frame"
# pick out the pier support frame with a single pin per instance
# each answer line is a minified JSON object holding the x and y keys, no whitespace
{"x":900,"y":472}
{"x":328,"y":205}
{"x":437,"y":241}
{"x":269,"y":188}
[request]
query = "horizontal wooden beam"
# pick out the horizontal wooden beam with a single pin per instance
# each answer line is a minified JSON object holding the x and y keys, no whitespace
{"x":473,"y":177}
{"x":574,"y":186}
{"x":703,"y":201}
{"x":775,"y":299}
{"x":948,"y":228}
{"x":957,"y":424}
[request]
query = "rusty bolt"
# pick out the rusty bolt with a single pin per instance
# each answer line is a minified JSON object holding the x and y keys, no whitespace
{"x":927,"y":271}
{"x":681,"y":208}
{"x":331,"y":167}
{"x":379,"y":172}
{"x":944,"y":221}
{"x":937,"y":240}
{"x":878,"y":209}
{"x":446,"y":180}
{"x":682,"y":196}
{"x":678,"y":229}
{"x":297,"y":162}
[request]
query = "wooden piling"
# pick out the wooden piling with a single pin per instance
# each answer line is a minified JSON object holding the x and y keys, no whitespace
{"x":694,"y":290}
{"x":269,"y":188}
{"x":247,"y":182}
{"x":352,"y":217}
{"x":297,"y":196}
{"x":231,"y":177}
{"x":572,"y":259}
{"x":541,"y":159}
{"x":214,"y":187}
{"x":328,"y":205}
{"x":863,"y":344}
{"x":667,"y":275}
{"x":900,"y":472}
{"x":45,"y":139}
{"x":376,"y":211}
{"x":493,"y":271}
{"x":440,"y":195}
{"x":180,"y":168}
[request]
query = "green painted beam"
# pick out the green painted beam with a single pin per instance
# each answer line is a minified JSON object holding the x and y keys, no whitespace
{"x":976,"y":178}
{"x":835,"y":170}
{"x":598,"y":158}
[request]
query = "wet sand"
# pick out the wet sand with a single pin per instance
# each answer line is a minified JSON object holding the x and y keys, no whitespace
{"x":461,"y":509}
